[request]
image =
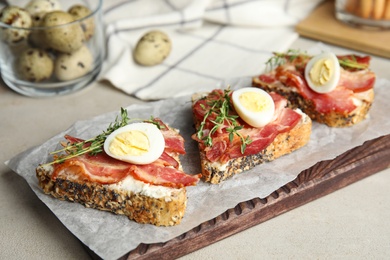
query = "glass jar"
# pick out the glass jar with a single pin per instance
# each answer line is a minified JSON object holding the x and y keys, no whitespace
{"x":370,"y":14}
{"x":48,"y":50}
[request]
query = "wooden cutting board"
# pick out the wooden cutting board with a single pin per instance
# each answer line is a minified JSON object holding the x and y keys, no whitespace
{"x":322,"y":25}
{"x":319,"y":180}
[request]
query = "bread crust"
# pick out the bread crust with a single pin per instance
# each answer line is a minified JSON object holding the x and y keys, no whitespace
{"x":284,"y":143}
{"x":334,"y":118}
{"x":164,"y":211}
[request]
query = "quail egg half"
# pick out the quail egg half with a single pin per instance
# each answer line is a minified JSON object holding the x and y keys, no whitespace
{"x":255,"y":106}
{"x":322,"y":72}
{"x":137,"y":143}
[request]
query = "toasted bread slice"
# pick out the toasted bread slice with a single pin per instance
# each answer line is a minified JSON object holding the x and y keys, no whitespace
{"x":160,"y":206}
{"x":362,"y":100}
{"x":284,"y":143}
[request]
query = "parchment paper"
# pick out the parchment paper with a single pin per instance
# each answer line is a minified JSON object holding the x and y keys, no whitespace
{"x":111,"y":236}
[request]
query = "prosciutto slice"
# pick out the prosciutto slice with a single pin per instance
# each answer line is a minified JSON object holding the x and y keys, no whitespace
{"x":99,"y":168}
{"x":173,"y":141}
{"x":223,"y":149}
{"x":164,"y":176}
{"x":104,"y":169}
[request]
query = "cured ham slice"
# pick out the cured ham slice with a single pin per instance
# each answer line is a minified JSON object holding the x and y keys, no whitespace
{"x":340,"y":99}
{"x":357,"y":81}
{"x":98,"y":168}
{"x":164,"y":176}
{"x":223,"y":148}
{"x":168,"y":160}
{"x":105,"y":170}
{"x":173,"y":141}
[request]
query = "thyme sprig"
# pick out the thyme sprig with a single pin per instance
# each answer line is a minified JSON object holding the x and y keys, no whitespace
{"x":157,"y":123}
{"x":93,"y":145}
{"x":280,"y":58}
{"x":352,"y":63}
{"x":224,"y":119}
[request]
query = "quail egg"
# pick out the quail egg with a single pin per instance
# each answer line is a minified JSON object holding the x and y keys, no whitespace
{"x":37,"y":19}
{"x":322,"y":72}
{"x":152,"y":49}
{"x":39,"y":6}
{"x":88,"y":25}
{"x":66,"y":38}
{"x":137,"y":143}
{"x":16,"y":17}
{"x":37,"y":37}
{"x":34,"y":65}
{"x":68,"y":66}
{"x":255,"y":106}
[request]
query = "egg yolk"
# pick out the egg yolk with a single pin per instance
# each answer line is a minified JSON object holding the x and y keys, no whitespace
{"x":321,"y":71}
{"x":254,"y":101}
{"x":133,"y":143}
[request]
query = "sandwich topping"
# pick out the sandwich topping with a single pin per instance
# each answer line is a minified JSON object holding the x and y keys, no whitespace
{"x":224,"y":135}
{"x":336,"y":92}
{"x":87,"y":160}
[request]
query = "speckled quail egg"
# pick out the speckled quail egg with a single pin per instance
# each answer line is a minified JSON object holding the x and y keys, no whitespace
{"x":137,"y":143}
{"x":152,"y":49}
{"x":73,"y":65}
{"x":66,"y":38}
{"x":34,"y":65}
{"x":322,"y":72}
{"x":39,"y":6}
{"x":16,"y":17}
{"x":37,"y":37}
{"x":37,"y":19}
{"x":255,"y":106}
{"x":88,"y":25}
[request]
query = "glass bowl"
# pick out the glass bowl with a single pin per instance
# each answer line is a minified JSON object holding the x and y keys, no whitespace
{"x":51,"y":47}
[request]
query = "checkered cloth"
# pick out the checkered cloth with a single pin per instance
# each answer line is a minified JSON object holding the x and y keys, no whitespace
{"x":212,"y":40}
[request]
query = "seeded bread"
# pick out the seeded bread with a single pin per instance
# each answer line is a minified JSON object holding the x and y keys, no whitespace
{"x":283,"y":144}
{"x":363,"y":101}
{"x":166,"y":210}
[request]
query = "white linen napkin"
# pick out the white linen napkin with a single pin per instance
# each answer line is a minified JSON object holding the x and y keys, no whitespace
{"x":212,"y":40}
